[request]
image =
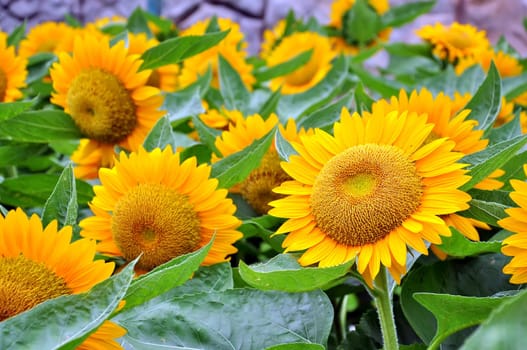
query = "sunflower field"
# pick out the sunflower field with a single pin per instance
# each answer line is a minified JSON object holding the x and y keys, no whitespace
{"x":160,"y":188}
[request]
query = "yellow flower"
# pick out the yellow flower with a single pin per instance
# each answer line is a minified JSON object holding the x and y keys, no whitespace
{"x":257,"y":188}
{"x":516,"y":222}
{"x":38,"y":264}
{"x":456,"y":41}
{"x":312,"y":72}
{"x":220,"y":119}
{"x":152,"y":204}
{"x":507,"y":65}
{"x":271,"y":37}
{"x":12,"y":72}
{"x":338,"y":11}
{"x":165,"y":77}
{"x":49,"y":36}
{"x":100,"y":87}
{"x":368,"y":191}
{"x":232,"y":48}
{"x":449,"y":123}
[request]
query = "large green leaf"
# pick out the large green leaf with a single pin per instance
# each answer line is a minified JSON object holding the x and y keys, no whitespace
{"x":326,"y":115}
{"x":11,"y":109}
{"x":399,"y":15}
{"x":232,"y":88}
{"x":183,"y":103}
{"x":479,"y":276}
{"x":283,"y":68}
{"x":488,"y":212}
{"x":486,"y":161}
{"x":16,"y":154}
{"x":264,"y":227}
{"x":361,"y":23}
{"x":270,"y":105}
{"x":177,"y":49}
{"x":385,"y":87}
{"x":455,"y":312}
{"x":236,"y":167}
{"x":232,"y":319}
{"x":506,"y":131}
{"x":206,"y":135}
{"x":514,"y":86}
{"x":458,"y":245}
{"x":39,"y":126}
{"x":165,"y":277}
{"x":513,"y":170}
{"x":62,"y":203}
{"x":34,"y":190}
{"x":162,"y":135}
{"x":504,"y":328}
{"x":138,"y":23}
{"x":295,"y":105}
{"x":284,"y":273}
{"x":17,"y":35}
{"x":486,"y":102}
{"x":66,"y":321}
{"x":283,"y":147}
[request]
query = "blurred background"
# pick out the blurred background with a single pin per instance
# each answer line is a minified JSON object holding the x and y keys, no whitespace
{"x":497,"y":17}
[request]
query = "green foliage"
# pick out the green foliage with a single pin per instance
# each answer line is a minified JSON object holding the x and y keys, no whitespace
{"x":285,"y":68}
{"x":61,"y":204}
{"x":232,"y":88}
{"x":399,"y":15}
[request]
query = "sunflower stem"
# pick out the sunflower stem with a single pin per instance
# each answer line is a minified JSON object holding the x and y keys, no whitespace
{"x":383,"y":302}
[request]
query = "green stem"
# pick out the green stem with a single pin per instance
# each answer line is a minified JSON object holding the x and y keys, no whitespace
{"x":383,"y":302}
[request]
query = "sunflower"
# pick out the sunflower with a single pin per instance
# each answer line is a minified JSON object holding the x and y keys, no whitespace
{"x":271,"y":37}
{"x":220,"y":119}
{"x":100,"y":87}
{"x":165,"y":77}
{"x":456,"y":41}
{"x":232,"y":48}
{"x":38,"y":264}
{"x":516,"y":222}
{"x":49,"y":36}
{"x":309,"y":74}
{"x":339,"y":8}
{"x":368,"y":191}
{"x":12,"y":72}
{"x":449,"y":123}
{"x":257,"y":188}
{"x":507,"y":65}
{"x":150,"y":203}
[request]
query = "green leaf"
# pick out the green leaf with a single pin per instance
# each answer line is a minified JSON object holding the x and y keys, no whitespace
{"x":62,"y":203}
{"x":177,"y":49}
{"x":284,"y":273}
{"x":236,"y":167}
{"x":165,"y":277}
{"x":506,"y":131}
{"x":183,"y":103}
{"x":206,"y":135}
{"x":295,"y":105}
{"x":486,"y":161}
{"x":458,"y":245}
{"x":232,"y":319}
{"x":361,"y":23}
{"x":11,"y":109}
{"x":399,"y":15}
{"x":514,"y":86}
{"x":17,"y":34}
{"x":456,"y":312}
{"x":296,"y":346}
{"x":264,"y":227}
{"x":39,"y":126}
{"x":137,"y":23}
{"x":513,"y":170}
{"x":386,"y":88}
{"x":34,"y":190}
{"x":479,"y":276}
{"x":270,"y":105}
{"x":488,"y":212}
{"x":19,"y":153}
{"x":162,"y":135}
{"x":284,"y":68}
{"x":283,"y":147}
{"x":64,"y":322}
{"x":232,"y":88}
{"x":504,"y":328}
{"x":363,"y":101}
{"x":38,"y":66}
{"x":327,"y":115}
{"x":486,"y":102}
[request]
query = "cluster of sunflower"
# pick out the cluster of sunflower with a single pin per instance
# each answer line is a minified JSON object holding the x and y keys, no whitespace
{"x":162,"y":187}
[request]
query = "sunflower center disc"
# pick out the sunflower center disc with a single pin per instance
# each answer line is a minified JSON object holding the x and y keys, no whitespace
{"x":156,"y":221}
{"x":3,"y":85}
{"x":25,"y":283}
{"x":257,"y":188}
{"x":101,"y":106}
{"x":365,"y":192}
